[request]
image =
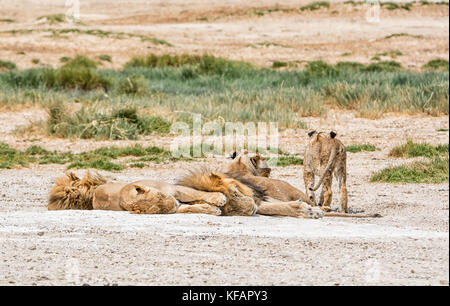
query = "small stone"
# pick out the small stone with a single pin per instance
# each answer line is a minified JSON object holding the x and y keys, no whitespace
{"x":40,"y":233}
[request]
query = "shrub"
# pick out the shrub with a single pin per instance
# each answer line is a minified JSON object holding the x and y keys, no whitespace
{"x":7,"y":65}
{"x":135,"y":85}
{"x":412,"y":149}
{"x":120,"y":123}
{"x":434,"y":171}
{"x":315,"y":6}
{"x":437,"y":65}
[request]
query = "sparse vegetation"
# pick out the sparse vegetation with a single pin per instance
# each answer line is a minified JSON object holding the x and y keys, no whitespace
{"x":35,"y":61}
{"x":64,"y":59}
{"x":133,"y":85}
{"x":402,"y":35}
{"x":7,"y":65}
{"x":92,"y":32}
{"x":278,"y":64}
{"x":220,"y":89}
{"x":119,"y":123}
{"x":391,"y":54}
{"x":434,"y":171}
{"x":200,"y":64}
{"x":361,"y":147}
{"x":394,"y":6}
{"x":437,"y":65}
{"x":6,"y":20}
{"x":77,"y":73}
{"x":412,"y":149}
{"x":289,"y":160}
{"x":106,"y":158}
{"x":315,"y":6}
{"x":52,"y":19}
{"x":105,"y":58}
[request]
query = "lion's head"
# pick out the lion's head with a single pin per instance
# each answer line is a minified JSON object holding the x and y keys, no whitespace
{"x":248,"y":163}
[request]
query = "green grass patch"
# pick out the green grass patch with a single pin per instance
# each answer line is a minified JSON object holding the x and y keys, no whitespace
{"x":6,"y":20}
{"x":35,"y":61}
{"x":101,"y":123}
{"x":7,"y":65}
{"x":53,"y":19}
{"x":289,"y":160}
{"x":437,"y":65}
{"x":133,"y":85}
{"x":105,"y":58}
{"x":402,"y":35}
{"x":412,"y":149}
{"x":391,"y":54}
{"x":230,"y":91}
{"x":278,"y":64}
{"x":78,"y":73}
{"x":64,"y":59}
{"x":442,"y":130}
{"x":361,"y":147}
{"x":198,"y":64}
{"x":434,"y":171}
{"x":106,"y":158}
{"x":315,"y":6}
{"x":394,"y":6}
{"x":92,"y":32}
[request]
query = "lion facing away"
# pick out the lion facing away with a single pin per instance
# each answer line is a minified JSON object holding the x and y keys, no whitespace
{"x":325,"y":155}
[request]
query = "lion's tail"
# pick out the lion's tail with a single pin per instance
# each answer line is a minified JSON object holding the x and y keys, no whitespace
{"x":71,"y":192}
{"x":347,"y":215}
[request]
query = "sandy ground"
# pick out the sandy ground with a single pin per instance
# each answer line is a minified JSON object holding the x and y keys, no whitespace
{"x":407,"y":246}
{"x":230,"y":29}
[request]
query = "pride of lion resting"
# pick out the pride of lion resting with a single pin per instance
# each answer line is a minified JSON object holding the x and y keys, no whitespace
{"x":201,"y":191}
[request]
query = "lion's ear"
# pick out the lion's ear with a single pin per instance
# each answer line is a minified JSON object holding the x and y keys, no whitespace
{"x":311,"y":133}
{"x":333,"y":134}
{"x":254,"y":160}
{"x":233,"y":156}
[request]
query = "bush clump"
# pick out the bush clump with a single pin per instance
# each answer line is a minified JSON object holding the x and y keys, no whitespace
{"x":203,"y":64}
{"x":119,"y":123}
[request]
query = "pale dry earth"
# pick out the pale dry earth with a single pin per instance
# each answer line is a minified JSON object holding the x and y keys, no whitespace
{"x":409,"y":245}
{"x":231,"y":29}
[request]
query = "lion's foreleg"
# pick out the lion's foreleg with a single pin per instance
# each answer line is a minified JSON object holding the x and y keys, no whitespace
{"x":188,"y":195}
{"x":308,"y":177}
{"x":199,"y":209}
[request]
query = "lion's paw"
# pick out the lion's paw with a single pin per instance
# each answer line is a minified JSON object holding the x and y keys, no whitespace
{"x":307,"y":211}
{"x":217,"y":199}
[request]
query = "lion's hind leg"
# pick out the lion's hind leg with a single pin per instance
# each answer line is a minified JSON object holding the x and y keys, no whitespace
{"x":343,"y":197}
{"x":290,"y":209}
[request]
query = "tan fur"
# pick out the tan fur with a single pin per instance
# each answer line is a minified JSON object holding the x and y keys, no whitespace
{"x":144,"y":197}
{"x":69,"y":192}
{"x":248,"y":166}
{"x":240,"y":198}
{"x":325,"y":155}
{"x":282,"y":198}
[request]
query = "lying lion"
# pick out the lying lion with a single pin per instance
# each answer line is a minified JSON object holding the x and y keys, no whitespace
{"x":202,"y":191}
